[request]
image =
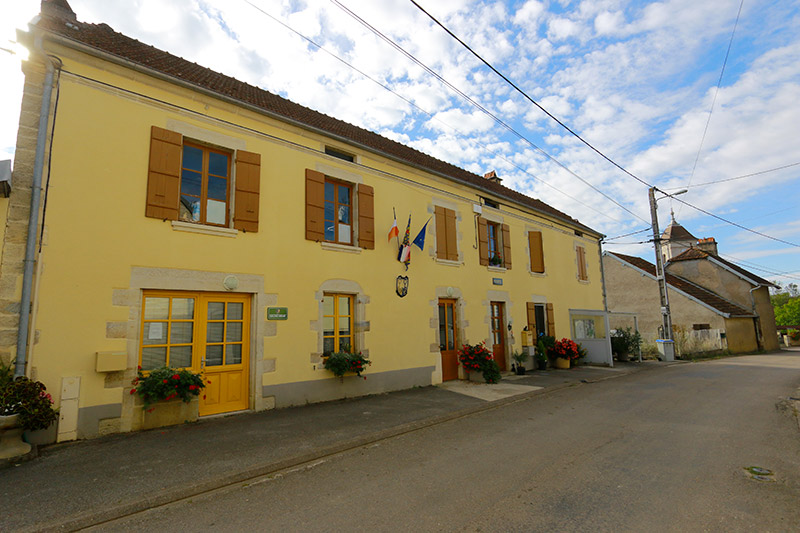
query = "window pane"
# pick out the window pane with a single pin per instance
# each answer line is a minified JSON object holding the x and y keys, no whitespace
{"x":181,"y":333}
{"x":235,"y":310}
{"x":190,"y":209}
{"x":214,"y":355}
{"x":153,"y":358}
{"x":344,"y":345}
{"x":183,"y":308}
{"x":217,"y":164}
{"x":155,"y":308}
{"x":192,"y":158}
{"x":344,"y":233}
{"x":344,"y":326}
{"x":344,"y":214}
{"x":191,"y":182}
{"x":155,"y":333}
{"x":329,"y":232}
{"x":344,"y":195}
{"x":215,"y":331}
{"x":329,"y":192}
{"x":217,"y":188}
{"x":215,"y":212}
{"x":180,"y":356}
{"x":451,"y":332}
{"x":327,"y":305}
{"x":327,"y":345}
{"x":344,"y":305}
{"x":234,"y":332}
{"x":233,"y":354}
{"x":442,"y":329}
{"x":327,"y":326}
{"x":216,"y":310}
{"x":329,"y":211}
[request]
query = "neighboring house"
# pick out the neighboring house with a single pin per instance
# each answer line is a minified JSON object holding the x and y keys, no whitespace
{"x":194,"y":220}
{"x":675,"y":239}
{"x":703,"y":320}
{"x":704,"y":267}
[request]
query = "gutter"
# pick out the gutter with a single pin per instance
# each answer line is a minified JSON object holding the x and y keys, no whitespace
{"x":81,"y":47}
{"x":33,"y":217}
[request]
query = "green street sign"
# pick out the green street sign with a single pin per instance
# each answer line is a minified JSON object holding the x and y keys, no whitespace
{"x":277,"y":313}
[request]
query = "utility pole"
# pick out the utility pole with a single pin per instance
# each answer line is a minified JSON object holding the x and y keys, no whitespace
{"x":660,"y":276}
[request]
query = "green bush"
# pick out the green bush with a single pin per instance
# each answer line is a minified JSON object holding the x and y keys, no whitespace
{"x":340,"y":363}
{"x":491,"y":372}
{"x":165,"y":384}
{"x":625,"y":341}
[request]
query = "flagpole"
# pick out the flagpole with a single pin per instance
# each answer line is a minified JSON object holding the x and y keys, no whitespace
{"x":398,"y":232}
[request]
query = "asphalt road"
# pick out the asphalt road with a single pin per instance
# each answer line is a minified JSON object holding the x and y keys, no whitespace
{"x":652,"y":451}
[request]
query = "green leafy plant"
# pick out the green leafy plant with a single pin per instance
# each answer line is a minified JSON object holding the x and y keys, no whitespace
{"x":793,"y":334}
{"x":543,"y":344}
{"x":567,"y":349}
{"x":625,"y":341}
{"x":491,"y":372}
{"x":165,"y":384}
{"x":496,"y":260}
{"x":30,"y":400}
{"x":6,"y":374}
{"x":477,"y":358}
{"x":520,"y":357}
{"x":340,"y":363}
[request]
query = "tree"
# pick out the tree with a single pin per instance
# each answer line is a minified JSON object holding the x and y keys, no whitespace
{"x":788,"y":314}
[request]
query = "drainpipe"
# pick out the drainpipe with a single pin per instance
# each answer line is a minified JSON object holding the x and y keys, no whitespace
{"x":33,"y":218}
{"x":756,"y":321}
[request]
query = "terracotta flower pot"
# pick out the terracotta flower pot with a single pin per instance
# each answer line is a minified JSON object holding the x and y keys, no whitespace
{"x":11,"y":443}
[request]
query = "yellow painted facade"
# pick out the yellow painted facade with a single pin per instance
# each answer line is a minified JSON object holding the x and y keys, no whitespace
{"x":101,"y":253}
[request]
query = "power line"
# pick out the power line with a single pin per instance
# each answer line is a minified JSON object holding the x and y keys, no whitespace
{"x":714,"y":100}
{"x":409,"y":102}
{"x":531,"y":100}
{"x":738,"y":177}
{"x":754,"y":266}
{"x":627,"y":234}
{"x":435,"y":74}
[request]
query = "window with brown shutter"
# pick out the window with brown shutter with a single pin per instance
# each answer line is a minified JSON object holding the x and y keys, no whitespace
{"x":191,"y":182}
{"x":580,"y":258}
{"x":506,"y":242}
{"x":366,"y":217}
{"x":330,"y":211}
{"x":315,"y":205}
{"x":536,"y":251}
{"x":551,"y":321}
{"x":446,"y":242}
{"x":483,"y":241}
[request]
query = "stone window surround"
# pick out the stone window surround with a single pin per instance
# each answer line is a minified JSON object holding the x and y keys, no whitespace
{"x":360,"y":325}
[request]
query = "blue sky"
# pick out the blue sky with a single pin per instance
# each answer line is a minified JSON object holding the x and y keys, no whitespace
{"x":635,"y":79}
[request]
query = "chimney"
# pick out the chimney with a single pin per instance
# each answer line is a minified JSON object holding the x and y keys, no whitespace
{"x":708,"y":245}
{"x":492,"y":176}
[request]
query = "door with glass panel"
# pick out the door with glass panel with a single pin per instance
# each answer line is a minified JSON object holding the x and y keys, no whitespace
{"x":447,"y":339}
{"x":498,"y":334}
{"x":205,"y":332}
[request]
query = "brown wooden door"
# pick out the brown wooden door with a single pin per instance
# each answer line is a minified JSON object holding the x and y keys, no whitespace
{"x":498,"y":334}
{"x":447,"y":339}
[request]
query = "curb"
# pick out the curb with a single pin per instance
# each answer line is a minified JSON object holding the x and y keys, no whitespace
{"x":174,"y":494}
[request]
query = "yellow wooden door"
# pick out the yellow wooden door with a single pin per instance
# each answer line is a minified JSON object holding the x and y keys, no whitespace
{"x":224,"y":352}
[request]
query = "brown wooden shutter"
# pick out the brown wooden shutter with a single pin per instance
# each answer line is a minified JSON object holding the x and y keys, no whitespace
{"x":366,"y":217}
{"x":506,"y":246}
{"x":483,"y":241}
{"x":530,"y":307}
{"x":441,"y":232}
{"x":537,"y":254}
{"x":164,"y":174}
{"x":551,"y":321}
{"x":452,"y":239}
{"x":581,"y":259}
{"x":315,"y":205}
{"x":248,"y":180}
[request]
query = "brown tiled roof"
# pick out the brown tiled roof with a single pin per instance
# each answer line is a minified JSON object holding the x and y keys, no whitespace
{"x":59,"y":20}
{"x":695,"y":254}
{"x":704,"y":295}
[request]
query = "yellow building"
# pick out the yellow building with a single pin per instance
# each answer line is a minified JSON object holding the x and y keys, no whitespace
{"x":189,"y":219}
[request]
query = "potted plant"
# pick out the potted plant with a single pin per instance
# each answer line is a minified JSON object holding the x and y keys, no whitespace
{"x":521,"y":358}
{"x":496,"y":260}
{"x":564,"y":352}
{"x":543,"y":345}
{"x":477,"y":358}
{"x":340,"y":363}
{"x":168,"y":396}
{"x":624,"y":342}
{"x":25,"y":405}
{"x":792,"y":337}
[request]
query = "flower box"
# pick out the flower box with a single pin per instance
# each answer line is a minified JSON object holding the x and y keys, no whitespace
{"x":162,"y":414}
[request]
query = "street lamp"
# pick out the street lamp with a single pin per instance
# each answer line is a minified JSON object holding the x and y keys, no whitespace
{"x":666,"y":318}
